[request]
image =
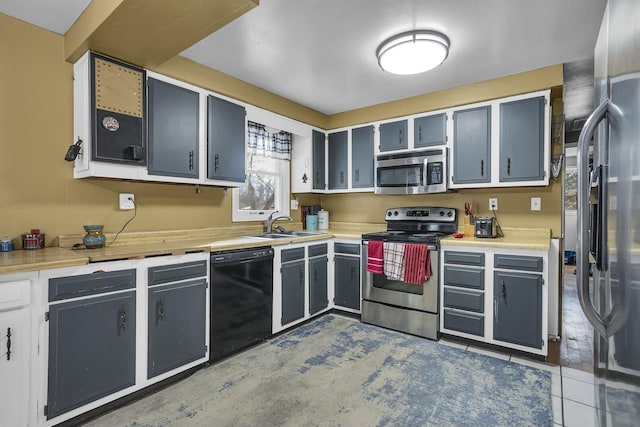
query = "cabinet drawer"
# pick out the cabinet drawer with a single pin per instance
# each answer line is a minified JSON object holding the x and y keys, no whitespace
{"x":292,"y":254}
{"x":90,"y":284}
{"x":465,"y":277}
{"x":14,"y":294}
{"x":317,"y":250}
{"x":346,"y":248}
{"x":518,"y":262}
{"x":464,"y":322}
{"x":465,"y":300}
{"x":466,"y":258}
{"x":176,"y":272}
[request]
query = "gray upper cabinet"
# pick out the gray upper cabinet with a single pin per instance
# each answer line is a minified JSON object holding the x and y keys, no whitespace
{"x":172,"y":130}
{"x":393,"y":136}
{"x":226,"y":140}
{"x":517,"y":316}
{"x":362,"y":157}
{"x":522,"y":140}
{"x":430,"y":131}
{"x":318,"y":142}
{"x":472,"y":145}
{"x":338,"y":160}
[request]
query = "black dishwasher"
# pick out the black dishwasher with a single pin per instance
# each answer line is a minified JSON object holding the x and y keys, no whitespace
{"x":241,"y":300}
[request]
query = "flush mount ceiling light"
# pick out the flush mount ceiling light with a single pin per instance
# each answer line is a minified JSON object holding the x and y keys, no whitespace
{"x":413,"y":52}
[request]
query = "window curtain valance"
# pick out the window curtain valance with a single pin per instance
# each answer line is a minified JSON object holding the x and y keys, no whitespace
{"x":267,"y":142}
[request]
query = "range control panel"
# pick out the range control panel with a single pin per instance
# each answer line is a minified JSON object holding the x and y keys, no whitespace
{"x":426,"y":214}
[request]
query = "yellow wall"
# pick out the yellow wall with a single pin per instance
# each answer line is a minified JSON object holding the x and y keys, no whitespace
{"x":37,"y":189}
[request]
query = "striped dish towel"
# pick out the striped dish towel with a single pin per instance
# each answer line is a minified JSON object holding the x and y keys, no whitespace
{"x":417,"y":264}
{"x":394,"y":260}
{"x":375,"y":254}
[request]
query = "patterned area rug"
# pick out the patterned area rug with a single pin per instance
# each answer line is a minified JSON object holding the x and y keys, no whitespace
{"x":336,"y":371}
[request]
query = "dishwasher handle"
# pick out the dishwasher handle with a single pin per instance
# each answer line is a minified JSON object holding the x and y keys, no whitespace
{"x":241,"y":257}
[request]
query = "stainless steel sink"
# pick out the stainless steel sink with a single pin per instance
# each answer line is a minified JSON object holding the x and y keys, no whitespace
{"x":284,"y":234}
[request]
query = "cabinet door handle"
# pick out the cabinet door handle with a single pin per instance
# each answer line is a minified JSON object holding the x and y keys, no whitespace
{"x":353,"y":273}
{"x":504,"y":292}
{"x":160,"y":310}
{"x":301,"y":277}
{"x":8,"y":343}
{"x":341,"y":177}
{"x":317,"y":179}
{"x":357,"y":175}
{"x":420,"y":133}
{"x":123,"y":317}
{"x":216,"y":162}
{"x":508,"y":166}
{"x":190,"y":160}
{"x":315,"y":274}
{"x":400,"y":137}
{"x":481,"y":167}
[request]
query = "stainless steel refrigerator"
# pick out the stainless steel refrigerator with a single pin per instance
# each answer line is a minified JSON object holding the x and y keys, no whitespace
{"x":609,"y":216}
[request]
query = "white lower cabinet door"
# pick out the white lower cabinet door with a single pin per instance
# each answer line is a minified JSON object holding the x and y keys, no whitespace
{"x":14,"y":367}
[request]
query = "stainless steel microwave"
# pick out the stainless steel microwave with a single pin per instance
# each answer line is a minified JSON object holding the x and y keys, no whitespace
{"x":416,"y":172}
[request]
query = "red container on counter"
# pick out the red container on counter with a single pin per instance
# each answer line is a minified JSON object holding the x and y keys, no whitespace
{"x":33,"y":240}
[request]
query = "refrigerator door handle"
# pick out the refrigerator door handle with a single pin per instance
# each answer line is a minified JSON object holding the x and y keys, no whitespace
{"x":582,"y":259}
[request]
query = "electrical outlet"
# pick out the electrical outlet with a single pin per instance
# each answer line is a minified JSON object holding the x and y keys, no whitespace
{"x":493,"y":204}
{"x":536,"y":204}
{"x":126,"y":201}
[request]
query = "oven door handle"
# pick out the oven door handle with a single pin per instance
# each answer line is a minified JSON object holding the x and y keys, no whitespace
{"x":430,"y":247}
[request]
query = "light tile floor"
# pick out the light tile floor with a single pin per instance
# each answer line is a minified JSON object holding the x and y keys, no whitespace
{"x":572,"y":390}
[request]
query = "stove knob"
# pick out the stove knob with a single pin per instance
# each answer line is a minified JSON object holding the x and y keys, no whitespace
{"x":395,"y":213}
{"x":389,"y":213}
{"x":449,"y":214}
{"x":441,"y":213}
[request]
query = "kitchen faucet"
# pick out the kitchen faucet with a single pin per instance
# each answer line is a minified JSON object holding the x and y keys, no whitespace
{"x":271,"y":220}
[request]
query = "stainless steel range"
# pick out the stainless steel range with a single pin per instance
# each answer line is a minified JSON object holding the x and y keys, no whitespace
{"x":395,"y":304}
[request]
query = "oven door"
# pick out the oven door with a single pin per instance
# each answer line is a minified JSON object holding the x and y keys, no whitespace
{"x":377,"y":288}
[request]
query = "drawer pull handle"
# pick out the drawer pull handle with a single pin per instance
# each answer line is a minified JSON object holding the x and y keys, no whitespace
{"x":8,"y":343}
{"x":123,"y":318}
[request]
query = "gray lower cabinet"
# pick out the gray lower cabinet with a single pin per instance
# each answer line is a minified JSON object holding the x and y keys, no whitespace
{"x":293,"y":283}
{"x":172,"y":130}
{"x":318,"y":145}
{"x":226,"y":140}
{"x":338,"y":160}
{"x":430,"y":131}
{"x":318,"y":299}
{"x":472,"y":145}
{"x":347,"y":275}
{"x":393,"y":136}
{"x":517,"y":316}
{"x":362,"y":157}
{"x":522,"y":140}
{"x":176,"y":325}
{"x":92,"y":341}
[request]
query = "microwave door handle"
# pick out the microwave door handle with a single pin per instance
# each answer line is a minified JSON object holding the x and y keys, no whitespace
{"x":582,"y":258}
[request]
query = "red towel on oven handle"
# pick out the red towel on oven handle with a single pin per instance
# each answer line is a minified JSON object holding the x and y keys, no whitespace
{"x":417,"y":264}
{"x":375,"y":251}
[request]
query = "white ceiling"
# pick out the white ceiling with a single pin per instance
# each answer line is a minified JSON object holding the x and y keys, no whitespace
{"x":321,"y":54}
